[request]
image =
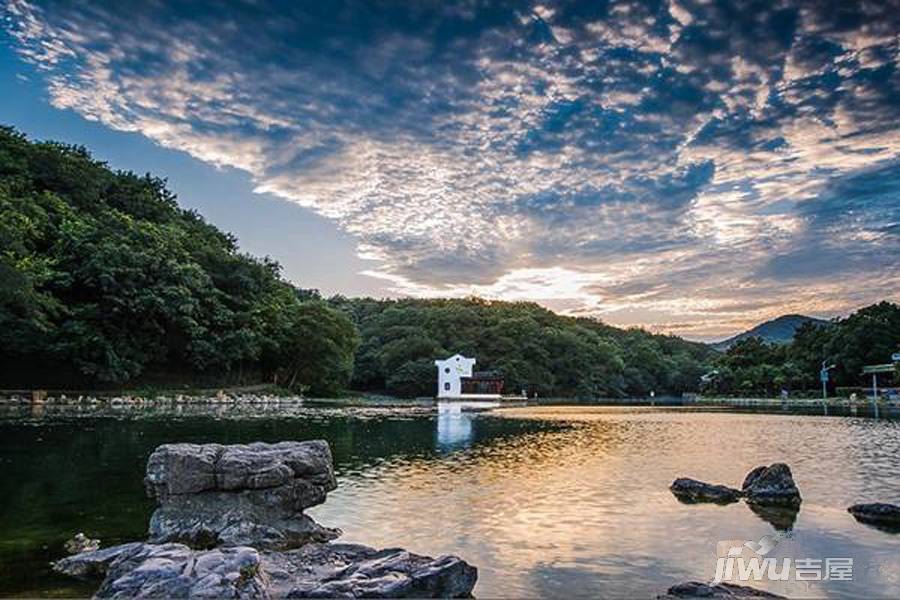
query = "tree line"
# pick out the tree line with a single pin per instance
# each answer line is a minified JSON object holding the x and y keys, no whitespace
{"x":533,"y":348}
{"x":869,"y":336}
{"x":106,"y":281}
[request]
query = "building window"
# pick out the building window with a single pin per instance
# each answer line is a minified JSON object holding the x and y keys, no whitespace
{"x":447,"y":386}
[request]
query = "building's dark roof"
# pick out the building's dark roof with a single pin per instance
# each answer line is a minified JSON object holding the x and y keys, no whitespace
{"x":486,"y":375}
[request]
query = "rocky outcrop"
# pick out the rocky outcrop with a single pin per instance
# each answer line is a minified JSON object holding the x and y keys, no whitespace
{"x":772,"y":485}
{"x":351,"y":570}
{"x":314,"y":571}
{"x":253,"y":495}
{"x":692,"y":491}
{"x":696,"y":589}
{"x":230,"y":524}
{"x":881,"y":515}
{"x":141,"y":570}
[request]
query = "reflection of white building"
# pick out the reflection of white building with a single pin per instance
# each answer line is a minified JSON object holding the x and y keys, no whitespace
{"x":454,"y":429}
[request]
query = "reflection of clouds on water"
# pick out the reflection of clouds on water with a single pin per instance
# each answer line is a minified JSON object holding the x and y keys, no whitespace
{"x":582,"y":504}
{"x":545,"y":501}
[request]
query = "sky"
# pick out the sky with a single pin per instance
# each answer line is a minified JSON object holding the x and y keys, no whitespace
{"x":693,"y":167}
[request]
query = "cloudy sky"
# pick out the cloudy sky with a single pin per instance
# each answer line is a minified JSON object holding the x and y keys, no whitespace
{"x":691,"y":166}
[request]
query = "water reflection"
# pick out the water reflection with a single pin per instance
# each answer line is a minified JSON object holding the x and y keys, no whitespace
{"x":560,"y":501}
{"x":454,"y":427}
{"x":782,"y":518}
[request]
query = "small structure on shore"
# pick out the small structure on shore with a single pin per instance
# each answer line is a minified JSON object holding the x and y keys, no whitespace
{"x":456,"y":379}
{"x":889,"y":370}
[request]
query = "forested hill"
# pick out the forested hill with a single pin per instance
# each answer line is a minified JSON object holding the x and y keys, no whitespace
{"x":534,"y":348}
{"x":104,"y":280}
{"x":869,"y":336}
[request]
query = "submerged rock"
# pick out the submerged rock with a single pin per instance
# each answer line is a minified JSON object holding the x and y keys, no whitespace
{"x":314,"y":571}
{"x":238,"y":495}
{"x":772,"y":485}
{"x":692,"y":491}
{"x":878,"y":514}
{"x":696,"y":589}
{"x":81,"y":543}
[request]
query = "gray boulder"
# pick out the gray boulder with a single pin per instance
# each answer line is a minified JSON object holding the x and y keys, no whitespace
{"x":772,"y":485}
{"x":692,"y":491}
{"x":696,"y":589}
{"x":170,"y":571}
{"x":355,"y":571}
{"x":253,"y":494}
{"x":315,"y":571}
{"x":879,"y":514}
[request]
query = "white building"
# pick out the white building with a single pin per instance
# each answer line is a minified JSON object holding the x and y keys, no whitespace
{"x":450,"y":374}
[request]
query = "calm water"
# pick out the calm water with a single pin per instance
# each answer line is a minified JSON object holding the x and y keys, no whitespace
{"x":549,"y":501}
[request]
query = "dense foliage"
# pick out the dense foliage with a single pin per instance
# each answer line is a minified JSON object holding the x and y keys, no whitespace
{"x":867,"y":337}
{"x":105,"y":280}
{"x":532,"y":347}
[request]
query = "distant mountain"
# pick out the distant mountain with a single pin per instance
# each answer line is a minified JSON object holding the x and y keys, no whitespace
{"x":776,"y":331}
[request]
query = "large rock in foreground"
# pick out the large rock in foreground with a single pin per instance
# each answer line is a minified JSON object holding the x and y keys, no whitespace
{"x":879,"y":514}
{"x":692,"y":491}
{"x":696,"y":589}
{"x":141,"y":570}
{"x":772,"y":485}
{"x":253,"y":494}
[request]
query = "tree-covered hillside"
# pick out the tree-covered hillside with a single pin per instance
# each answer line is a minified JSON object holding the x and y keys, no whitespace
{"x":105,"y":280}
{"x":867,"y":337}
{"x":532,"y":347}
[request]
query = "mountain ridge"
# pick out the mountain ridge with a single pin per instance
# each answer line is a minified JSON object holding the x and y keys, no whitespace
{"x":779,"y":330}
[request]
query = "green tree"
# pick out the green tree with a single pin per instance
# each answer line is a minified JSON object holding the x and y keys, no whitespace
{"x":104,"y":280}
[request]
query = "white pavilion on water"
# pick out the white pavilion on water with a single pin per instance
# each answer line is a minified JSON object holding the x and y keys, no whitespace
{"x":456,"y":379}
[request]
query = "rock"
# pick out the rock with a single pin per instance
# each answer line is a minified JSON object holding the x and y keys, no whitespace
{"x":81,"y":543}
{"x":234,"y":496}
{"x":314,"y":571}
{"x":94,"y":564}
{"x":170,"y":571}
{"x":238,"y":495}
{"x":235,"y":520}
{"x":878,"y":514}
{"x":696,"y":589}
{"x":352,"y":570}
{"x":772,"y":485}
{"x":178,"y":469}
{"x":692,"y":491}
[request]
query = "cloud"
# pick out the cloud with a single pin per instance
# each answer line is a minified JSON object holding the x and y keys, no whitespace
{"x":677,"y":163}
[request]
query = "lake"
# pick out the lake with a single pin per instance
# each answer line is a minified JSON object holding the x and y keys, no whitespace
{"x":545,"y":501}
